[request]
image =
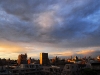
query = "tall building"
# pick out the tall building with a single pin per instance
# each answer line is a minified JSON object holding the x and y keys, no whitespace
{"x":44,"y":59}
{"x":22,"y":59}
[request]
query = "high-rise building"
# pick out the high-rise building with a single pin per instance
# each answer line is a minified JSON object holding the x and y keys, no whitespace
{"x":44,"y":59}
{"x":22,"y":59}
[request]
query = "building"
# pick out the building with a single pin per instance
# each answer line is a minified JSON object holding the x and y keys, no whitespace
{"x":51,"y":70}
{"x":70,"y":69}
{"x":4,"y":71}
{"x":44,"y":59}
{"x":3,"y":62}
{"x":98,"y":58}
{"x":29,"y":60}
{"x":22,"y":59}
{"x":26,"y":69}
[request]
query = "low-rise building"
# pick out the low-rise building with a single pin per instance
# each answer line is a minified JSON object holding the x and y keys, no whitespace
{"x":26,"y":69}
{"x":51,"y":70}
{"x":73,"y":69}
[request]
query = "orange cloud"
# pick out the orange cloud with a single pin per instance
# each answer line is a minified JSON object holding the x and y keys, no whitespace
{"x":85,"y":52}
{"x":11,"y":48}
{"x":66,"y":53}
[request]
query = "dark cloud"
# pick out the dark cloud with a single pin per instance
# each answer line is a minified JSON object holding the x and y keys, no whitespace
{"x":25,"y":9}
{"x":68,"y":23}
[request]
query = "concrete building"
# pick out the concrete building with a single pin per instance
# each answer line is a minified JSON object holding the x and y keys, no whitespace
{"x":73,"y":69}
{"x":70,"y":69}
{"x":51,"y":70}
{"x":4,"y":71}
{"x":22,"y":59}
{"x":44,"y":59}
{"x":27,"y":69}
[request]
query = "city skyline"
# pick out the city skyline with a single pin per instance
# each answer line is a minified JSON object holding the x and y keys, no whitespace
{"x":60,"y":28}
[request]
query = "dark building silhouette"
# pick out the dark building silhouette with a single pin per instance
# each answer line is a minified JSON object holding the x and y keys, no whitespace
{"x":22,"y":59}
{"x":3,"y":62}
{"x":55,"y":61}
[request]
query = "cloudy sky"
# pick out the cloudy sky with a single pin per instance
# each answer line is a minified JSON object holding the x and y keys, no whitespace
{"x":60,"y":27}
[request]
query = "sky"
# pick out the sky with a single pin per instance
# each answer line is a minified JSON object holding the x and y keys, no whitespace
{"x":61,"y":28}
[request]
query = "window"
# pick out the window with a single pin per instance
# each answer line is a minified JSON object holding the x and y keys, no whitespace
{"x":67,"y":66}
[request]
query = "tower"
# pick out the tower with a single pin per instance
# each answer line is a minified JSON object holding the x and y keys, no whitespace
{"x":44,"y":59}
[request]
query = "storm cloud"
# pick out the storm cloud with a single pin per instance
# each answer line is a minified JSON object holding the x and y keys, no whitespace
{"x":65,"y":24}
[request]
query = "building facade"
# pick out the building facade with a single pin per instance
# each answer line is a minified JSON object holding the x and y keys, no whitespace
{"x":44,"y":59}
{"x":22,"y":59}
